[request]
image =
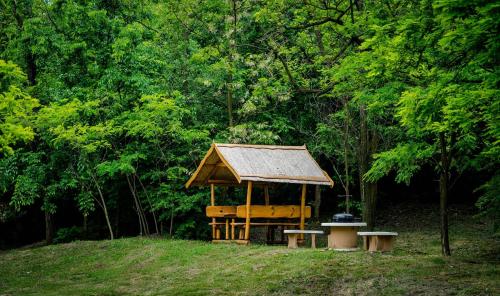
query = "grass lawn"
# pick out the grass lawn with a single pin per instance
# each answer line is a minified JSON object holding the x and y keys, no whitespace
{"x":141,"y":266}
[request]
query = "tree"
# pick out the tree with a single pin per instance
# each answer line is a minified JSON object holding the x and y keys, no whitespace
{"x":449,"y":94}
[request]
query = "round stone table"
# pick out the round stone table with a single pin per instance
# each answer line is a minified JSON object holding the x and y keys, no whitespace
{"x":343,"y":236}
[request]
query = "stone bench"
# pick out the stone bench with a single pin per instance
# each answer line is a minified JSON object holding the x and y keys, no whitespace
{"x":380,"y":241}
{"x":293,"y":234}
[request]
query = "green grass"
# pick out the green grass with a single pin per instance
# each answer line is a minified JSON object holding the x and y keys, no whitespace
{"x":140,"y":266}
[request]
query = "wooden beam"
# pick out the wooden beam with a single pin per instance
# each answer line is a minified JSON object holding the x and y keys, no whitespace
{"x":220,"y":211}
{"x":263,"y":146}
{"x":212,"y":203}
{"x":247,"y":219}
{"x":198,"y":169}
{"x":302,"y":209}
{"x":273,"y":211}
{"x":301,"y":178}
{"x":221,"y":182}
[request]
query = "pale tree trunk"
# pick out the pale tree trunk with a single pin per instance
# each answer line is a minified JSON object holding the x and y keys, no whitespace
{"x":443,"y":195}
{"x":150,"y":204}
{"x":143,"y":227}
{"x":103,"y":205}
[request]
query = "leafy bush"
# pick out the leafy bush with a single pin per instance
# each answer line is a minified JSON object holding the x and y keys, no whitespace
{"x":68,"y":234}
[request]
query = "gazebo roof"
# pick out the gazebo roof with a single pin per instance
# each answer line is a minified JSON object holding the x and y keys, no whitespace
{"x":235,"y":163}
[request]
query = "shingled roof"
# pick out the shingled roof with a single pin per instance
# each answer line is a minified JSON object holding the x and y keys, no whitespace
{"x":235,"y":163}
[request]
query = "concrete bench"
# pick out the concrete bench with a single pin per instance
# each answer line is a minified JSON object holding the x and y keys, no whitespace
{"x":293,"y":233}
{"x":381,"y":241}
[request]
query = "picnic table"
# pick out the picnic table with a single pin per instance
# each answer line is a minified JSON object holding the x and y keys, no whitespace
{"x":343,"y":236}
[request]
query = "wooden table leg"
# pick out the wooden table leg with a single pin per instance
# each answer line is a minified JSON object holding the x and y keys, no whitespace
{"x":217,"y":233}
{"x":292,"y":241}
{"x":313,"y":241}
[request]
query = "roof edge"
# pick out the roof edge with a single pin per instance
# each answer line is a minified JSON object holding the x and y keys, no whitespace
{"x":231,"y":169}
{"x":255,"y":146}
{"x":213,"y":147}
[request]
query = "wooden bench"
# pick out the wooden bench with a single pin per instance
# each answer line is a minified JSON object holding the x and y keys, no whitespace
{"x":293,"y":235}
{"x":381,"y":241}
{"x":229,"y":213}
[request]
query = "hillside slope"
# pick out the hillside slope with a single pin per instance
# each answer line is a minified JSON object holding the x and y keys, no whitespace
{"x":139,"y":266}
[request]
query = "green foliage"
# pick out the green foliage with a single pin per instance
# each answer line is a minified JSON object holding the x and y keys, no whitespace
{"x":489,"y":202}
{"x":68,"y":234}
{"x":405,"y":159}
{"x":448,"y":88}
{"x":16,"y":106}
{"x":136,"y":92}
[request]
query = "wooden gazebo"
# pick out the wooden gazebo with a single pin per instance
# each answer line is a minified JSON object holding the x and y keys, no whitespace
{"x":256,"y":165}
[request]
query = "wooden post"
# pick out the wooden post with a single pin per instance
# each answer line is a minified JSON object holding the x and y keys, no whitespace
{"x":266,"y":199}
{"x":212,"y":203}
{"x":247,"y":221}
{"x":303,"y":209}
{"x":227,"y":229}
{"x":313,"y":241}
{"x":232,"y":229}
{"x":241,"y":233}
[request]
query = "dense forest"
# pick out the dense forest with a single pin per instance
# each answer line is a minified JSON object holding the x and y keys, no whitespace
{"x":107,"y":107}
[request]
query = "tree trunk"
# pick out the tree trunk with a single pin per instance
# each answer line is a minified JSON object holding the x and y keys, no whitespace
{"x":140,"y":213}
{"x":150,"y":204}
{"x":232,"y":50}
{"x":171,"y":230}
{"x":370,"y":204}
{"x":346,"y":155}
{"x":443,"y":196}
{"x":49,"y":229}
{"x":29,"y":57}
{"x":363,"y":160}
{"x":367,"y":147}
{"x":31,"y":66}
{"x":104,"y":208}
{"x":85,"y":226}
{"x":317,"y":201}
